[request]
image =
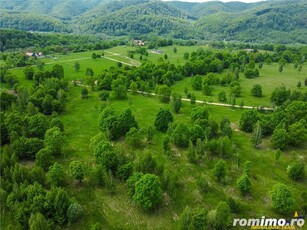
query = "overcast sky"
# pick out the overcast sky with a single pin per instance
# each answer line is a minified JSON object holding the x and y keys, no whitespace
{"x":247,"y":1}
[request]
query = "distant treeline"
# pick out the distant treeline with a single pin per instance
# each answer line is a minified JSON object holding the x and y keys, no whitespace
{"x":15,"y":39}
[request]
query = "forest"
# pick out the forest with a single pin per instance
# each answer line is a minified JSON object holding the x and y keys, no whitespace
{"x":118,"y":136}
{"x":281,"y":21}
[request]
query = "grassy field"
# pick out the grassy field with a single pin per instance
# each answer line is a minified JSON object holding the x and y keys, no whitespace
{"x":80,"y":120}
{"x":118,"y":211}
{"x":269,"y":79}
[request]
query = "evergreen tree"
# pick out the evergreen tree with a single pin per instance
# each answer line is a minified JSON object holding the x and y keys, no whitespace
{"x":257,"y":135}
{"x":176,"y":101}
{"x":163,"y":118}
{"x":219,"y":170}
{"x":244,"y":184}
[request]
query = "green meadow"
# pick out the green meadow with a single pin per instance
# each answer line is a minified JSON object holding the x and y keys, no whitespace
{"x":117,"y":211}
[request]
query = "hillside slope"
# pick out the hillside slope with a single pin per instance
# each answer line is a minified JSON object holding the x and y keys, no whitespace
{"x":280,"y":21}
{"x":136,"y":17}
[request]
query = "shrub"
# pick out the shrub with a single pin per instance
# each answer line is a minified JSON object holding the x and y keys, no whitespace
{"x":244,"y":184}
{"x":296,"y":170}
{"x":282,"y":199}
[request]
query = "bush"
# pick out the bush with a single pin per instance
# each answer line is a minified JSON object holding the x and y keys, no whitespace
{"x":280,"y":95}
{"x":125,"y":171}
{"x":176,"y":102}
{"x":181,"y":135}
{"x":84,"y":93}
{"x":199,"y":113}
{"x":131,"y":182}
{"x":233,"y":205}
{"x":148,"y":192}
{"x":244,"y":184}
{"x":297,"y":132}
{"x":193,"y":219}
{"x":164,"y":93}
{"x":207,"y":90}
{"x":98,"y":175}
{"x":104,"y":95}
{"x":256,"y":91}
{"x":74,"y":212}
{"x":248,"y":120}
{"x":219,"y":219}
{"x":280,"y":138}
{"x":134,"y":138}
{"x":235,"y":88}
{"x":203,"y":185}
{"x":56,"y":174}
{"x":282,"y":199}
{"x":44,"y":158}
{"x":296,"y":170}
{"x":196,"y":82}
{"x":76,"y":170}
{"x":219,"y":170}
{"x":222,"y":96}
{"x":163,"y":118}
{"x":251,"y":73}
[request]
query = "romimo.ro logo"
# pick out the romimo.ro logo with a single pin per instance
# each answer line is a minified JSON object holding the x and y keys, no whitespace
{"x":271,"y":223}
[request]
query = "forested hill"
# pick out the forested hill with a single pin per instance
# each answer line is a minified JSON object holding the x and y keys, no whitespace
{"x":207,"y":8}
{"x":278,"y":21}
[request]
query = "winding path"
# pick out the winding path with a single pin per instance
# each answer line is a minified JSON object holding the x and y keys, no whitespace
{"x":216,"y":104}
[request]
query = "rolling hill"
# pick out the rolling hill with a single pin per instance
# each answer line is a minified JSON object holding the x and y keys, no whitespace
{"x":281,"y":21}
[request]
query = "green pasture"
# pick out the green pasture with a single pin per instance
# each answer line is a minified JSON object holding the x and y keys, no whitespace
{"x":118,"y":211}
{"x":81,"y":123}
{"x":269,"y":79}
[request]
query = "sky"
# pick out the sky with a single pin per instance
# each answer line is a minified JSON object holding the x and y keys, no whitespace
{"x":247,"y":1}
